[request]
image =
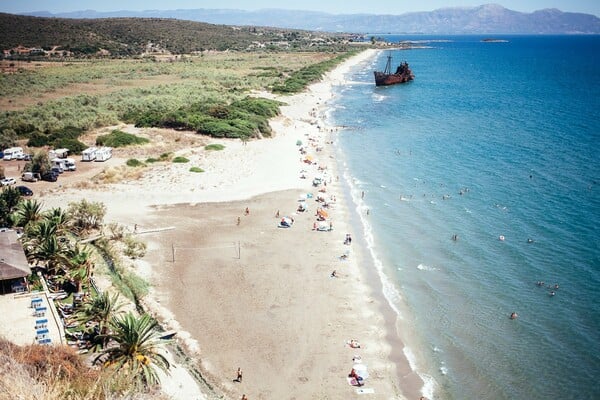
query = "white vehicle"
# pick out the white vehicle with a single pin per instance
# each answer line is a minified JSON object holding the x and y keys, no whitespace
{"x":103,"y":153}
{"x":59,"y":163}
{"x":30,"y":177}
{"x":89,"y":154}
{"x":8,"y":181}
{"x":13,"y":153}
{"x":69,"y":165}
{"x":58,"y":153}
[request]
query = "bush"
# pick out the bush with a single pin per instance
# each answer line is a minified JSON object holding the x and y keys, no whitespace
{"x":133,"y":162}
{"x":74,"y":145}
{"x":300,"y":79}
{"x":180,"y":160}
{"x":215,"y":146}
{"x":196,"y":169}
{"x":134,"y":248}
{"x":119,"y":138}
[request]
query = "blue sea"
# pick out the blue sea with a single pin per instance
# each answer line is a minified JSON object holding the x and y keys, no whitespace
{"x":491,"y":141}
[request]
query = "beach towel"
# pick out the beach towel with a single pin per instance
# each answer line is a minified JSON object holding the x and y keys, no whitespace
{"x":353,"y":381}
{"x":365,"y":391}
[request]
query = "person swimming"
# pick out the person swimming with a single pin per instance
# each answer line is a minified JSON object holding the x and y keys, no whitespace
{"x":513,"y":315}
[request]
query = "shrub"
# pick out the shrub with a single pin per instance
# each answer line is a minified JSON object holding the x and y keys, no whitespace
{"x":196,"y":169}
{"x":134,"y":248}
{"x":74,"y":145}
{"x":134,"y":162}
{"x":215,"y":146}
{"x":119,"y":138}
{"x":180,"y":160}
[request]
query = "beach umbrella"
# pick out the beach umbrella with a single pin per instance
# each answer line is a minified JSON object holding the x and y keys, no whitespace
{"x":361,"y":370}
{"x":322,"y":213}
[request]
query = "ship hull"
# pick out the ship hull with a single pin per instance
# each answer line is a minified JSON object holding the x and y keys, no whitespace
{"x":382,"y":79}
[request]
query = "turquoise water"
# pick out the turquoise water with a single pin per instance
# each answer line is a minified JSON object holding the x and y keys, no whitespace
{"x":490,"y":140}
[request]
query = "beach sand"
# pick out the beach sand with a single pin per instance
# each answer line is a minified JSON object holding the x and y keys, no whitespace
{"x":253,"y":295}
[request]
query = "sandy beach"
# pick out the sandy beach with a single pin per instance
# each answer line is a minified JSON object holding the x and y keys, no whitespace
{"x":243,"y":292}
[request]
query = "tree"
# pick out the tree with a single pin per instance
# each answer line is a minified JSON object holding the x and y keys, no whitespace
{"x":136,"y":348}
{"x":39,"y":163}
{"x":28,"y":211}
{"x":80,"y":266}
{"x":60,"y":219}
{"x":9,"y":199}
{"x":44,"y":246}
{"x":100,"y":309}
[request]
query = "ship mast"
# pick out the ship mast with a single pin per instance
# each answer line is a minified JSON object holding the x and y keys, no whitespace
{"x":388,"y":65}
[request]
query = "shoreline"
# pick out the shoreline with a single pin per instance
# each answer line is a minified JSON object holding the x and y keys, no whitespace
{"x":273,"y":310}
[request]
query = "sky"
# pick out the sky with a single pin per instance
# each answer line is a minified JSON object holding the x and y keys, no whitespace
{"x":330,"y":6}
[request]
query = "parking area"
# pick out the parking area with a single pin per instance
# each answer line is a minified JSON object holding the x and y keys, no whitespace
{"x":84,"y":172}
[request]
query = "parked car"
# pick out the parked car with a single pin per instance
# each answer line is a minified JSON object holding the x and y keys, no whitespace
{"x":49,"y":177}
{"x":30,"y":177}
{"x":25,"y":191}
{"x":27,"y":157}
{"x":57,"y":170}
{"x":8,"y":181}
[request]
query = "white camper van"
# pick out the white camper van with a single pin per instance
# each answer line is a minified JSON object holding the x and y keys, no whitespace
{"x":58,"y":153}
{"x":103,"y":153}
{"x":58,"y":163}
{"x":12,"y":152}
{"x":89,"y":154}
{"x":70,"y":164}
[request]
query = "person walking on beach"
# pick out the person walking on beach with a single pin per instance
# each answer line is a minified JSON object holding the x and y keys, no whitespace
{"x":239,"y":375}
{"x":244,"y":397}
{"x":247,"y":212}
{"x":239,"y":220}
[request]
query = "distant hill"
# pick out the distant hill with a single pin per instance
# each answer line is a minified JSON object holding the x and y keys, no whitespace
{"x":485,"y":19}
{"x":134,"y":36}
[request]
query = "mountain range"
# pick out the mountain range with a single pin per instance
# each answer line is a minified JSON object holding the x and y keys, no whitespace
{"x":484,"y":19}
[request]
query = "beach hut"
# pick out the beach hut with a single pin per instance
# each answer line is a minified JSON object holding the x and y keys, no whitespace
{"x":13,"y":263}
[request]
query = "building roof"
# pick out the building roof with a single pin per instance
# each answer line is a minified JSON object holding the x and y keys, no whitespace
{"x":13,"y":263}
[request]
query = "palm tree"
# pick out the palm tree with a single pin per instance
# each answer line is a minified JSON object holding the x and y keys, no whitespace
{"x":60,"y":219}
{"x":48,"y":249}
{"x":28,"y":211}
{"x":80,"y":266}
{"x":98,"y":310}
{"x":136,"y":349}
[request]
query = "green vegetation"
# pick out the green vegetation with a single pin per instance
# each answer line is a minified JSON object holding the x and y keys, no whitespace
{"x":214,"y":146}
{"x":196,"y":169}
{"x":126,"y":37}
{"x":134,"y":162}
{"x":180,"y":159}
{"x":56,"y":137}
{"x":133,"y":248}
{"x":242,"y":118}
{"x":138,"y":349}
{"x":119,"y":138}
{"x":163,"y":157}
{"x":300,"y":79}
{"x":206,"y":94}
{"x":52,"y":240}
